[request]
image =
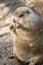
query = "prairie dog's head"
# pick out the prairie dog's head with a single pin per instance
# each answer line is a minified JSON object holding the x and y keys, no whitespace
{"x":27,"y":18}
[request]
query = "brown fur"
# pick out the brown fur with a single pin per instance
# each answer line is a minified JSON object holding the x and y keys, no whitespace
{"x":27,"y":36}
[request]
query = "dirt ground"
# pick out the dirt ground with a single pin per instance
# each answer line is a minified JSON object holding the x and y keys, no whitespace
{"x":7,"y":8}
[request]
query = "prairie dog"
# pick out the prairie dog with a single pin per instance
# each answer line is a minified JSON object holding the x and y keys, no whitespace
{"x":27,"y":31}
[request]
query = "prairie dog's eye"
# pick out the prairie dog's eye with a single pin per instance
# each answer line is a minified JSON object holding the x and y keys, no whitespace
{"x":24,"y":13}
{"x":21,"y":15}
